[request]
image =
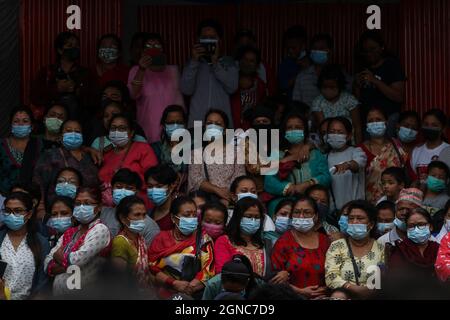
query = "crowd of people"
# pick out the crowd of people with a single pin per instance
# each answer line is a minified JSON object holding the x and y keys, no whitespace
{"x":89,"y":186}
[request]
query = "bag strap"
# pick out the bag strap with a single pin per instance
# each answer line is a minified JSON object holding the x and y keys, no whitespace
{"x":64,"y":157}
{"x":206,"y":171}
{"x":355,"y":266}
{"x":198,"y":242}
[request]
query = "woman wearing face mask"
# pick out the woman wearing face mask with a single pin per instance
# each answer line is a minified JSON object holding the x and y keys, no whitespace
{"x":295,"y":174}
{"x":347,"y":163}
{"x":66,"y":80}
{"x":102,"y":143}
{"x":161,"y":183}
{"x":53,"y":120}
{"x":301,"y":251}
{"x":109,"y":63}
{"x":243,"y":235}
{"x":126,"y":153}
{"x":19,"y":151}
{"x":281,"y":219}
{"x":382,"y":152}
{"x":129,"y":249}
{"x":169,"y":251}
{"x":408,"y":130}
{"x":251,"y":91}
{"x":417,"y":254}
{"x":154,"y":85}
{"x":86,"y":245}
{"x":70,"y":154}
{"x":434,"y":124}
{"x":215,"y":178}
{"x":348,"y":260}
{"x":22,"y":248}
{"x":59,"y":219}
{"x":174,"y":118}
{"x":68,"y":180}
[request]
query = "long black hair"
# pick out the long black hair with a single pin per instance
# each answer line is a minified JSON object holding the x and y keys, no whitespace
{"x":233,"y":229}
{"x":32,"y":228}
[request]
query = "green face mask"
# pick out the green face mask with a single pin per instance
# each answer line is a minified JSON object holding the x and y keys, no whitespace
{"x":53,"y":124}
{"x":435,"y":185}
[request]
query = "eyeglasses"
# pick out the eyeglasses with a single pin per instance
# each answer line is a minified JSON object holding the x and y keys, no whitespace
{"x":420,"y":226}
{"x":86,"y":203}
{"x":119,"y":128}
{"x":305,"y":213}
{"x":16,"y":211}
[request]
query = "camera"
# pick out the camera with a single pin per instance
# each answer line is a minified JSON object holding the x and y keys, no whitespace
{"x":210,"y":48}
{"x":158,"y":58}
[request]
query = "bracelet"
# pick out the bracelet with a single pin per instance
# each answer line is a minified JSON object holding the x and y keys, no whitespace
{"x":169,"y":281}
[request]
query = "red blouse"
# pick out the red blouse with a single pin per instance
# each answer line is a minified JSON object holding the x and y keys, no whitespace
{"x":306,"y":266}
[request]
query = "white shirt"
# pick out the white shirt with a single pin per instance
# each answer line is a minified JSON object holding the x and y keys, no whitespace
{"x":422,"y":156}
{"x":20,"y":270}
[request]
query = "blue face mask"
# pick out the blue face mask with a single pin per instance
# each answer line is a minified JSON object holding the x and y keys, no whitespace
{"x":14,"y":222}
{"x":157,"y":195}
{"x":21,"y":131}
{"x":343,"y":223}
{"x":400,"y":224}
{"x":84,"y":214}
{"x":407,"y":135}
{"x":66,"y":190}
{"x":376,"y":129}
{"x":435,"y":184}
{"x":72,"y":140}
{"x":357,"y":231}
{"x":419,"y":236}
{"x":137,"y":226}
{"x":119,"y":194}
{"x":282,"y":224}
{"x":382,"y":228}
{"x":295,"y":136}
{"x":187,"y":225}
{"x":170,"y":128}
{"x":319,"y":57}
{"x":302,"y":225}
{"x":250,"y":226}
{"x":337,"y":141}
{"x":213,"y":130}
{"x":60,"y":224}
{"x":246,"y":195}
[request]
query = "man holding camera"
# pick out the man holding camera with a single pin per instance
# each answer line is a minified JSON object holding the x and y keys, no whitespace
{"x":208,"y":77}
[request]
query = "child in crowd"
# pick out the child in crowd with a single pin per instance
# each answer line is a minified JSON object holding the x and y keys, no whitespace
{"x":436,"y":189}
{"x":385,"y":217}
{"x":393,"y":180}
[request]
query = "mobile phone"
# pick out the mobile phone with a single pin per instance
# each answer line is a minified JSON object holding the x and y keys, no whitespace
{"x":158,"y":58}
{"x":3,"y":266}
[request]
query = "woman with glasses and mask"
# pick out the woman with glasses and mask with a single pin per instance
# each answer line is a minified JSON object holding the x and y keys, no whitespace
{"x":417,"y":254}
{"x":86,"y":245}
{"x":181,"y":259}
{"x":301,"y":250}
{"x":126,"y":153}
{"x":22,"y":248}
{"x":349,"y":261}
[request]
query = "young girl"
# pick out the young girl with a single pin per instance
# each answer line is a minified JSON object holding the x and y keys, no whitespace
{"x":408,"y":130}
{"x":433,"y":127}
{"x":393,"y":180}
{"x":214,"y":217}
{"x":281,"y":220}
{"x":385,"y":217}
{"x":346,"y":163}
{"x":334,"y":102}
{"x":437,"y":181}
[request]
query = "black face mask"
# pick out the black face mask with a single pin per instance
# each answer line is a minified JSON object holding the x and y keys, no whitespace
{"x":431,"y":134}
{"x":72,"y":54}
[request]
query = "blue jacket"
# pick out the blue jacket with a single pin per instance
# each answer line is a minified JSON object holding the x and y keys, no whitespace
{"x":40,"y":278}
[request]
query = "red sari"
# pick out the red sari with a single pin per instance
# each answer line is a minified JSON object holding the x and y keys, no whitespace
{"x":306,"y":266}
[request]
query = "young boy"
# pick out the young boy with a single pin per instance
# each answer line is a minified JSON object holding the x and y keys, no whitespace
{"x":385,"y":217}
{"x":437,"y":181}
{"x":393,"y":180}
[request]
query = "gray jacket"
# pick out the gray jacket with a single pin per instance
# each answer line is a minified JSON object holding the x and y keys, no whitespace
{"x":209,"y":86}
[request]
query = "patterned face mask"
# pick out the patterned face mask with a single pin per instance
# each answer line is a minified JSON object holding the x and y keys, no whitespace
{"x":108,"y":55}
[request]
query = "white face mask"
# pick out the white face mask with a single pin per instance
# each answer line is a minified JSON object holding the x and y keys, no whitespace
{"x":245,"y":195}
{"x":302,"y":224}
